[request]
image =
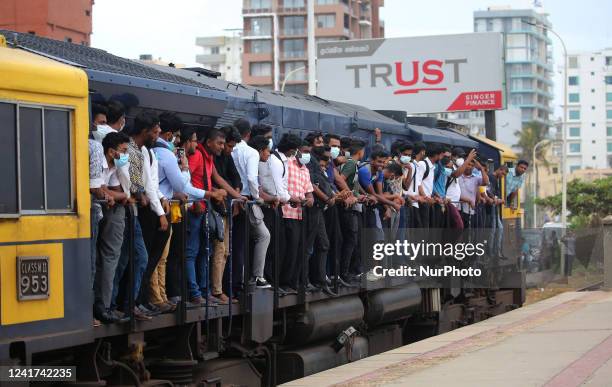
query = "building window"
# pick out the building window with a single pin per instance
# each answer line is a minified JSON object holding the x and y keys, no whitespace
{"x":293,"y":3}
{"x":327,"y":2}
{"x":609,"y":131}
{"x":574,"y":132}
{"x":261,"y":46}
{"x":609,"y":61}
{"x":555,"y":170}
{"x":260,"y":69}
{"x":326,"y":20}
{"x":592,"y":107}
{"x":594,"y":158}
{"x":608,"y":97}
{"x":574,"y":147}
{"x":574,"y":97}
{"x":214,"y":50}
{"x":44,"y":174}
{"x":229,"y":49}
{"x":294,"y":48}
{"x":574,"y":114}
{"x":573,"y":62}
{"x":87,"y":12}
{"x":574,"y":168}
{"x":573,"y":80}
{"x":260,"y":26}
{"x":609,"y":145}
{"x":609,"y":114}
{"x":294,"y":25}
{"x":608,"y":79}
{"x":259,"y":4}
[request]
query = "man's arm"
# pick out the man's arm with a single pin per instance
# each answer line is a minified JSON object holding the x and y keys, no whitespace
{"x":252,"y":170}
{"x":460,"y":170}
{"x":340,"y":181}
{"x":220,"y":181}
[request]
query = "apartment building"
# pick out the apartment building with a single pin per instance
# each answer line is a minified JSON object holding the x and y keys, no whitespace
{"x":275,"y":36}
{"x":589,"y":121}
{"x":529,"y":61}
{"x":222,"y":54}
{"x":67,"y":20}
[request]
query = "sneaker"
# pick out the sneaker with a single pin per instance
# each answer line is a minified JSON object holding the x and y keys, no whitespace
{"x":288,"y":290}
{"x":174,"y":300}
{"x":327,"y":290}
{"x":162,"y":308}
{"x":261,"y":283}
{"x":140,"y":316}
{"x":371,"y":277}
{"x":310,"y":288}
{"x":149,"y":312}
{"x":198,"y":300}
{"x":222,"y":298}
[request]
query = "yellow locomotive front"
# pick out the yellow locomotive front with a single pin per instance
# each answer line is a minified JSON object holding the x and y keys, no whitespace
{"x":45,"y":264}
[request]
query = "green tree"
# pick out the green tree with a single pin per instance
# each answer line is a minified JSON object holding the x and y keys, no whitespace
{"x":532,"y":133}
{"x":584,"y":199}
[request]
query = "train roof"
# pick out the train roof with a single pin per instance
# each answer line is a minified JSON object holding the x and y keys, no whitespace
{"x":508,"y":151}
{"x":55,"y":78}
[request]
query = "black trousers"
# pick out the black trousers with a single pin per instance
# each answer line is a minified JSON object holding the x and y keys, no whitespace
{"x":349,"y":223}
{"x":334,"y":236}
{"x":276,"y":236}
{"x":414,"y":217}
{"x":318,"y":243}
{"x":425,"y":214}
{"x":239,"y":241}
{"x":293,"y":254}
{"x":155,"y":242}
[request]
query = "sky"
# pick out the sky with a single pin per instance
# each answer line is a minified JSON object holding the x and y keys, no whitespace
{"x":167,"y":29}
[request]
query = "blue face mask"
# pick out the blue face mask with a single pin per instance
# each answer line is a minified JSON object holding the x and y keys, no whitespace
{"x":448,"y":170}
{"x":405,"y":159}
{"x":335,"y":152}
{"x":122,"y":160}
{"x":305,"y":158}
{"x":171,"y":146}
{"x":270,"y":144}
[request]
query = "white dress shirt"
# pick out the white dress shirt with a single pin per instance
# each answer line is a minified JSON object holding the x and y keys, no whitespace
{"x":247,"y":164}
{"x":427,"y":182}
{"x":271,"y":177}
{"x":151,"y":185}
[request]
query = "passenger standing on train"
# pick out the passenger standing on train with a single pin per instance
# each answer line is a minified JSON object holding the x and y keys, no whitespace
{"x":110,"y":237}
{"x":350,"y":216}
{"x":273,"y":181}
{"x":115,"y":120}
{"x":169,"y":125}
{"x":470,"y":183}
{"x":514,"y":181}
{"x":300,"y":189}
{"x":211,"y":146}
{"x":224,"y":164}
{"x":155,"y":228}
{"x":145,"y":132}
{"x":247,"y":162}
{"x":495,"y":221}
{"x":414,"y":194}
{"x":317,"y":236}
{"x":403,"y":156}
{"x":427,"y":169}
{"x":439,"y":214}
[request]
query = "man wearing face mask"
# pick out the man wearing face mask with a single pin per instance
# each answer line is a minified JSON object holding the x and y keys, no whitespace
{"x":300,"y":191}
{"x":115,"y":120}
{"x":110,"y":237}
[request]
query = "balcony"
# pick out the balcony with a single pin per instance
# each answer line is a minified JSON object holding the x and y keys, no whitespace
{"x":291,"y":10}
{"x":365,"y":21}
{"x":293,"y":55}
{"x":212,"y":41}
{"x":293,"y":32}
{"x":210,"y":58}
{"x":255,"y":11}
{"x":257,"y":35}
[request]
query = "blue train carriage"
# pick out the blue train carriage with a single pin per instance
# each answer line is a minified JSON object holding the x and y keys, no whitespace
{"x":44,"y":203}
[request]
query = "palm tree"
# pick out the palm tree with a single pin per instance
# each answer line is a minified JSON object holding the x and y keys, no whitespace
{"x":532,"y":133}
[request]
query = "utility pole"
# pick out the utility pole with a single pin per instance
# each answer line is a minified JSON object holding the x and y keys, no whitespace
{"x":312,"y":50}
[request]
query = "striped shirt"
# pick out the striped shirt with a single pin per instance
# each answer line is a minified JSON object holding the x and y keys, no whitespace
{"x":298,"y":185}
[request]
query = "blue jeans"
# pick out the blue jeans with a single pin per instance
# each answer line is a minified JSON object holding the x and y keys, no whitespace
{"x":192,"y":253}
{"x":141,"y":257}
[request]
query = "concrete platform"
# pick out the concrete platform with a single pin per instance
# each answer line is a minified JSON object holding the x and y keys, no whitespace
{"x":562,"y":341}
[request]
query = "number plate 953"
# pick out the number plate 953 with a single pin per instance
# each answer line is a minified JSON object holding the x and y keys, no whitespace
{"x":32,"y":278}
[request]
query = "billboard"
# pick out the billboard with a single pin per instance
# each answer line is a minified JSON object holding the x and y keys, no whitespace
{"x":428,"y":74}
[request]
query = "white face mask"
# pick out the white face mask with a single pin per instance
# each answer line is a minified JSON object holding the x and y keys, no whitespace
{"x":270,"y":143}
{"x":305,"y":158}
{"x":405,"y":159}
{"x":334,"y":152}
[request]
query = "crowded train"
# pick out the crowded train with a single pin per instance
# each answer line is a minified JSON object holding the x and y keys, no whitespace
{"x":227,"y":228}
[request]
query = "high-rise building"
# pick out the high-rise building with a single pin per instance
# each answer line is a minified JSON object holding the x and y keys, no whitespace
{"x":589,"y":99}
{"x":67,"y":20}
{"x":222,"y":54}
{"x":275,"y":36}
{"x":529,"y":64}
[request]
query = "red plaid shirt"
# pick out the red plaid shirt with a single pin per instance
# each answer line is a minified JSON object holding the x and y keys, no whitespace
{"x":298,"y":185}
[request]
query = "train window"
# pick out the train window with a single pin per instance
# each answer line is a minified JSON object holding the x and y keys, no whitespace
{"x":35,"y":160}
{"x":31,"y":159}
{"x":8,"y":160}
{"x":57,"y":154}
